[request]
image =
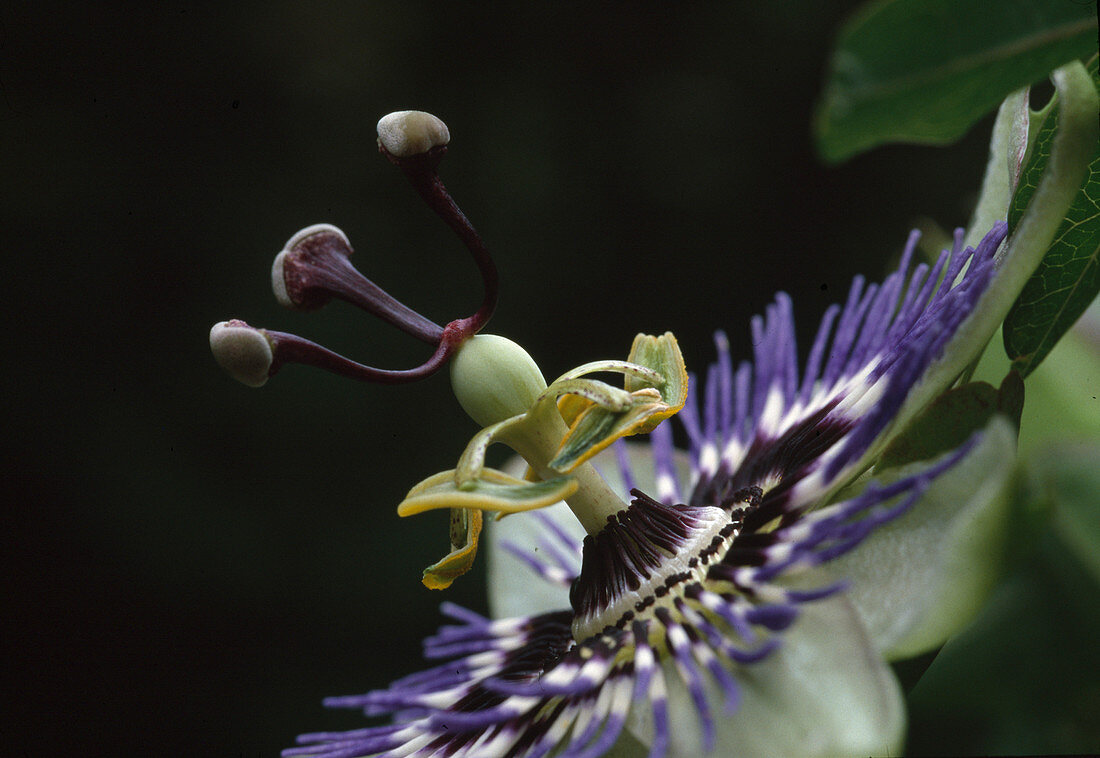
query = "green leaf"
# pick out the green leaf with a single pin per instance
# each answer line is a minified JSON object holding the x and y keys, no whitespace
{"x":1068,"y":278}
{"x":925,"y":70}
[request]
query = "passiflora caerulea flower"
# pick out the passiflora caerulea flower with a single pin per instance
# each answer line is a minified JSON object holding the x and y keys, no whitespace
{"x":742,"y":596}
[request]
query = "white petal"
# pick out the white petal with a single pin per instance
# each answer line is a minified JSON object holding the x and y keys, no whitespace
{"x":514,"y":589}
{"x":824,"y":692}
{"x":627,"y":746}
{"x":919,"y":579}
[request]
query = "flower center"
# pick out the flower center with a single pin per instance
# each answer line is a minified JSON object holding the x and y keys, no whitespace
{"x":647,"y":556}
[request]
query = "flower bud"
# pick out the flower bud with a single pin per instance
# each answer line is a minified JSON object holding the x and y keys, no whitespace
{"x":242,"y":351}
{"x":406,"y":133}
{"x":494,"y":379}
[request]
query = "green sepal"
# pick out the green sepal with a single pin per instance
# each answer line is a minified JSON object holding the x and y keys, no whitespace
{"x":952,"y":418}
{"x":1021,"y":252}
{"x":1014,"y":126}
{"x":920,"y":578}
{"x":492,"y":491}
{"x":824,"y":692}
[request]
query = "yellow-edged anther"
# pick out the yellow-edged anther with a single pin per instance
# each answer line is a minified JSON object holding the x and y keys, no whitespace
{"x":557,"y":429}
{"x":596,"y":428}
{"x":662,"y":354}
{"x":492,"y":491}
{"x":465,"y":532}
{"x":656,"y":396}
{"x":572,"y":406}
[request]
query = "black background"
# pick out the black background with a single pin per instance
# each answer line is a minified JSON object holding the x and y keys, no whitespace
{"x":192,"y":565}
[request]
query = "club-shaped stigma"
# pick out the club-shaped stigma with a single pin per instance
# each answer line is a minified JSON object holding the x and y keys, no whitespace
{"x":244,"y":352}
{"x":416,"y":142}
{"x":314,"y":267}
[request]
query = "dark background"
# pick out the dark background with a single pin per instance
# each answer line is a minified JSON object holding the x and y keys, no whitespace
{"x":192,"y":565}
